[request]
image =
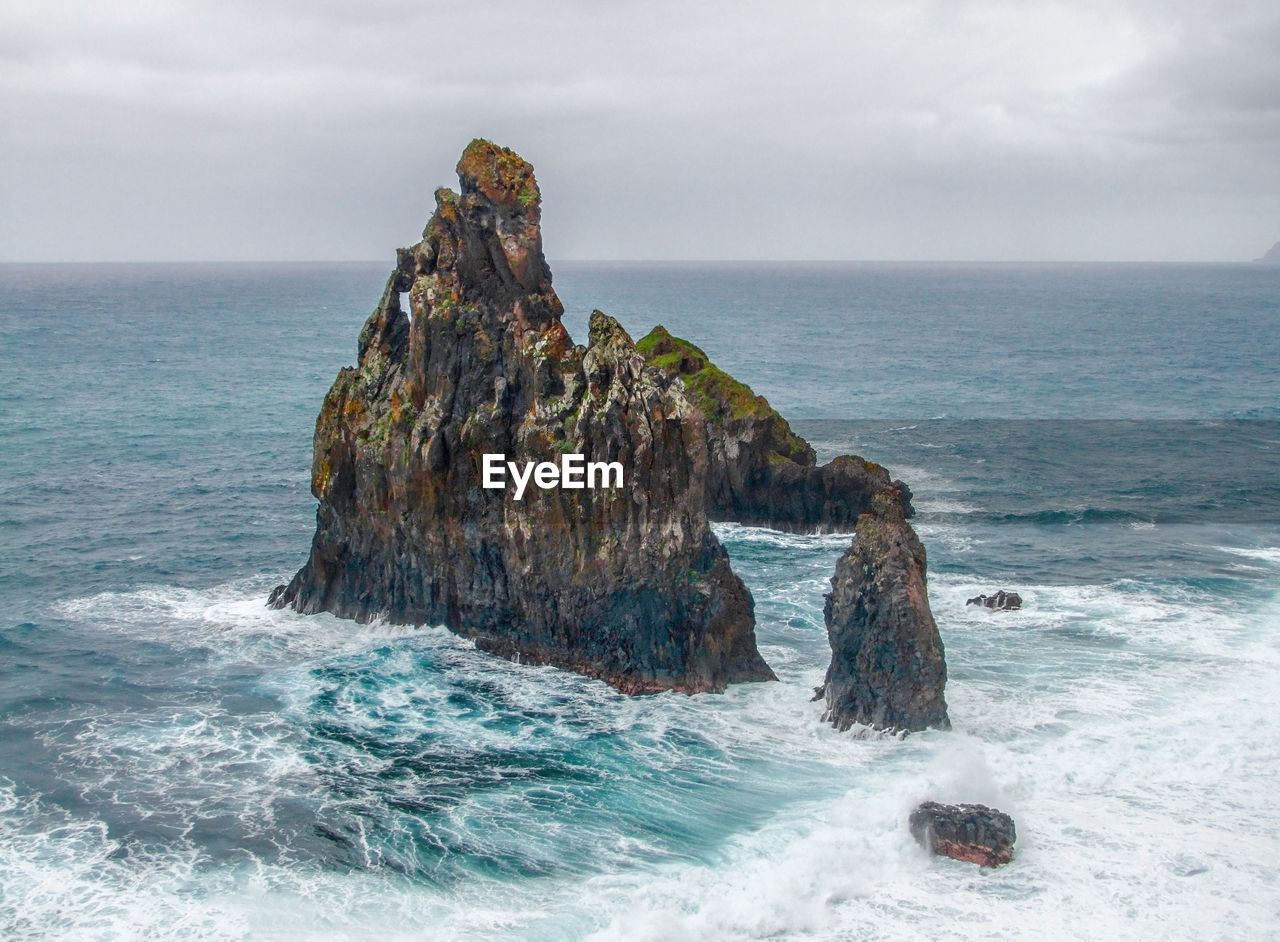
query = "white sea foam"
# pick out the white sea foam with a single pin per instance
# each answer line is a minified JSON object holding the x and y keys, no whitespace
{"x":1139,"y":815}
{"x":231,"y":617}
{"x":1130,"y":729}
{"x":944,"y":505}
{"x":738,"y":533}
{"x":65,"y":877}
{"x":1268,"y":554}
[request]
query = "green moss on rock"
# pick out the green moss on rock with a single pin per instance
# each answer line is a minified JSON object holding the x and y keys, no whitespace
{"x":719,"y":396}
{"x":499,"y":173}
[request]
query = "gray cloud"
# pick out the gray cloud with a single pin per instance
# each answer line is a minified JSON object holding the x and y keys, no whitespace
{"x":748,"y":130}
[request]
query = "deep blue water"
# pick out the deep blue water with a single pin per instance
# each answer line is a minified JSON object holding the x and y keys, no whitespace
{"x":178,"y":761}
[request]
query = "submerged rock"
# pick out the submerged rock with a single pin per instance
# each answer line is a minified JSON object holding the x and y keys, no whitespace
{"x":887,"y":669}
{"x":759,"y":472}
{"x":626,"y":583}
{"x":1001,"y":601}
{"x":974,"y":833}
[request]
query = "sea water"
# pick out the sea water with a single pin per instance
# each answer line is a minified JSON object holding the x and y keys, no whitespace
{"x":178,"y":761}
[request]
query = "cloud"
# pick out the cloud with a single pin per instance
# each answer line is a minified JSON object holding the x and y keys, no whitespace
{"x":916,"y":129}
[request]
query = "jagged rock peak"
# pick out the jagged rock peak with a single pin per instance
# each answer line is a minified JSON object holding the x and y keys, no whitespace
{"x":626,"y":583}
{"x":501,"y":176}
{"x":500,"y":191}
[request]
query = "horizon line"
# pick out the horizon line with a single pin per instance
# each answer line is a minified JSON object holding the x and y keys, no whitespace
{"x":661,"y":261}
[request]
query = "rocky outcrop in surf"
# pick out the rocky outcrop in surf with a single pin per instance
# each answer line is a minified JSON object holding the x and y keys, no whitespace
{"x":627,"y":584}
{"x":887,"y":669}
{"x":973,"y":833}
{"x":1000,"y":601}
{"x":759,"y":472}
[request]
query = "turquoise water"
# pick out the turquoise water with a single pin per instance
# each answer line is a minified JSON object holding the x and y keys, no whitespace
{"x":178,"y":761}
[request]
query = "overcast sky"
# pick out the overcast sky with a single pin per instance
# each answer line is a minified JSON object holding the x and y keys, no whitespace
{"x":318,"y":129}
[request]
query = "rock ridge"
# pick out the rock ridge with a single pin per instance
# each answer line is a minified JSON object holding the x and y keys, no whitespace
{"x":759,"y":472}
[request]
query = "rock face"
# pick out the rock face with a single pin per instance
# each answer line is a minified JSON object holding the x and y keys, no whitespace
{"x":1272,"y":257}
{"x":887,"y":669}
{"x":974,"y":833}
{"x":1001,"y":601}
{"x":627,"y":583}
{"x":759,"y":472}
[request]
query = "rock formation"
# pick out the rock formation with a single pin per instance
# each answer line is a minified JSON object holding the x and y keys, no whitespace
{"x":974,"y":833}
{"x":759,"y":472}
{"x":1272,"y":257}
{"x":628,"y":583}
{"x":887,"y":669}
{"x":1001,"y":601}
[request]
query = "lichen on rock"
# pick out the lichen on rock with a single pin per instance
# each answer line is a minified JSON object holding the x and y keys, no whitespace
{"x":627,"y":584}
{"x":760,"y":472}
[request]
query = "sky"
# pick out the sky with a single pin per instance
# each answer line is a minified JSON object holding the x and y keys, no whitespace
{"x":905,"y":129}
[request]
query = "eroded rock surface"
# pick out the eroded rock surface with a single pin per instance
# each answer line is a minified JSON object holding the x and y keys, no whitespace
{"x":759,"y":472}
{"x":973,"y":833}
{"x":628,"y":584}
{"x":887,"y":669}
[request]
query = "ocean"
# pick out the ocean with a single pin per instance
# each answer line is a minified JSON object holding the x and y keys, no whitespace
{"x":179,"y":762}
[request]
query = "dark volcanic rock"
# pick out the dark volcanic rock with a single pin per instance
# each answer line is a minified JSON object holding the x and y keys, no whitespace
{"x":759,"y":472}
{"x":974,"y":833}
{"x":887,"y":669}
{"x":626,"y":584}
{"x":1001,"y":601}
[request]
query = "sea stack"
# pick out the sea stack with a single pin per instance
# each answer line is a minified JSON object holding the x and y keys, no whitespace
{"x":624,"y":582}
{"x":887,"y":669}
